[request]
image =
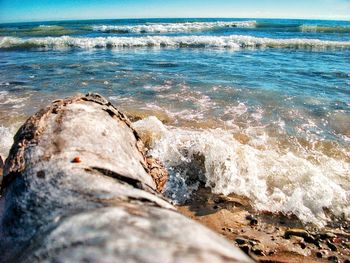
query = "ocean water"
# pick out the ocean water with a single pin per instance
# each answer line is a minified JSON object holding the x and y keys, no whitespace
{"x":255,"y":107}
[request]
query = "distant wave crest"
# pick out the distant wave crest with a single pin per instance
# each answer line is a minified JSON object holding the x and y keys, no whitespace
{"x":324,"y":29}
{"x":229,"y":42}
{"x":173,"y":27}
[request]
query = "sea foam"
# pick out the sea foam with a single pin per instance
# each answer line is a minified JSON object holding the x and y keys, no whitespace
{"x":6,"y":135}
{"x":272,"y":180}
{"x":229,"y":42}
{"x":173,"y":27}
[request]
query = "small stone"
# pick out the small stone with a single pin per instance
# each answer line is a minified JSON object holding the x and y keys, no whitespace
{"x":245,"y":249}
{"x":333,"y":259}
{"x":326,"y":235}
{"x":331,"y":246}
{"x":249,"y":217}
{"x":257,"y":251}
{"x":252,"y":242}
{"x":253,"y":220}
{"x":301,"y":233}
{"x":241,"y":241}
{"x":337,"y":240}
{"x":312,"y":240}
{"x":296,"y":232}
{"x":76,"y":160}
{"x":302,"y":245}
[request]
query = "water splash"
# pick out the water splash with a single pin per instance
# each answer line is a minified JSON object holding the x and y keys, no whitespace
{"x":273,"y":180}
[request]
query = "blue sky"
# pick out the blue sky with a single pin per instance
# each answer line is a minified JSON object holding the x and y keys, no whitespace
{"x":39,"y":10}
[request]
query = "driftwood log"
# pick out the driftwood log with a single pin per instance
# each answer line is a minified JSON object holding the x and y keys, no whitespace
{"x":77,"y":187}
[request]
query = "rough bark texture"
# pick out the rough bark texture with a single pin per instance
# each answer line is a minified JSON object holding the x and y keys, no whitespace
{"x":78,"y":187}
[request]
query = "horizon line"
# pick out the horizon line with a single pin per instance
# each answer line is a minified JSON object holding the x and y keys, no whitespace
{"x":136,"y":18}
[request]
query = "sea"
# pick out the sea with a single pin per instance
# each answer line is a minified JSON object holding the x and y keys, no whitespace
{"x":252,"y":107}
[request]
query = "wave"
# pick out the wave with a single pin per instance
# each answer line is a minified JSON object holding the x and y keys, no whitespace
{"x":324,"y":29}
{"x":173,"y":27}
{"x":273,"y":180}
{"x":46,"y":27}
{"x":305,"y":28}
{"x":205,"y":26}
{"x":38,"y":31}
{"x":229,"y":42}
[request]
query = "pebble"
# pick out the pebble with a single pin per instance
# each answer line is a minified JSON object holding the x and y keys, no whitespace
{"x":252,"y":219}
{"x":241,"y":241}
{"x":331,"y":246}
{"x":257,"y":251}
{"x":302,"y":245}
{"x":245,"y":249}
{"x":326,"y":235}
{"x":76,"y":160}
{"x":296,"y":232}
{"x":333,"y":259}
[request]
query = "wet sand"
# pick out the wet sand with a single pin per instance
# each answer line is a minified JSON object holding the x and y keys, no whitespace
{"x":268,"y":237}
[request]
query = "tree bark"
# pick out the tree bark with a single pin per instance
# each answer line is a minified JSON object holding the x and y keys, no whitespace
{"x":77,"y":186}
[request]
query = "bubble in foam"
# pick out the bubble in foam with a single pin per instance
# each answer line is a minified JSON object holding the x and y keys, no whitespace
{"x":274,"y":181}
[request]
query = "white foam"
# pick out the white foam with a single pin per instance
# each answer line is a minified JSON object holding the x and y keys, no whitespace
{"x":7,"y":99}
{"x":158,"y":88}
{"x":173,"y":27}
{"x":230,"y":42}
{"x":273,"y":181}
{"x":6,"y":135}
{"x":47,"y":26}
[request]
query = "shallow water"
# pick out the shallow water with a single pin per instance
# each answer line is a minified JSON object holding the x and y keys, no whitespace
{"x":255,"y":107}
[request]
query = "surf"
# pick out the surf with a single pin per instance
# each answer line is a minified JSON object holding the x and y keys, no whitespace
{"x":235,"y":42}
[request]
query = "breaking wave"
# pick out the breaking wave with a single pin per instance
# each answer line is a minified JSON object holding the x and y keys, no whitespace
{"x":274,"y":181}
{"x":229,"y":42}
{"x":173,"y":27}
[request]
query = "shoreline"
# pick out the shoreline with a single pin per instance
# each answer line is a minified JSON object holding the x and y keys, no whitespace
{"x":267,"y":237}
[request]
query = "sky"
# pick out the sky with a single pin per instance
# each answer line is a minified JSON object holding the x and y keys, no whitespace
{"x":44,"y":10}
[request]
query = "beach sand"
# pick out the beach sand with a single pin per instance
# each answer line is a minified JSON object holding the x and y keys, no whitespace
{"x":268,"y":237}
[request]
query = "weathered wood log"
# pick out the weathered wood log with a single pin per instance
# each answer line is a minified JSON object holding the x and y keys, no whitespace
{"x":78,"y":187}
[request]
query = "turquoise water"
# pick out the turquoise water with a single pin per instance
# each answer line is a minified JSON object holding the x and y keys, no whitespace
{"x":265,"y":103}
